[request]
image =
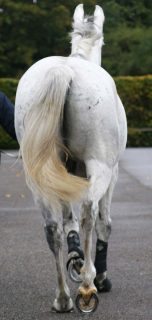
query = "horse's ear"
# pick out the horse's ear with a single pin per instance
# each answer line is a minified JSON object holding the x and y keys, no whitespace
{"x":78,"y":13}
{"x":99,"y":17}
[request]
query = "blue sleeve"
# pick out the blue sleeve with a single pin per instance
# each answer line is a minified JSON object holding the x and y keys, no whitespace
{"x":7,"y":115}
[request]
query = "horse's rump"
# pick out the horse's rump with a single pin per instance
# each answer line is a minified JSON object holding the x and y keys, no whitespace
{"x":41,"y":144}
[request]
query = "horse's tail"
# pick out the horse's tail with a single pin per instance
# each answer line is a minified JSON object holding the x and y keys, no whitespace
{"x":41,"y":145}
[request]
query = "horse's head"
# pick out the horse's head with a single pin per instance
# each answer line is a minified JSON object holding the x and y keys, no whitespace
{"x":87,"y":35}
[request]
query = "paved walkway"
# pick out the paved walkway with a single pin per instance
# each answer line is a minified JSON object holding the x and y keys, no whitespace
{"x":27,"y":269}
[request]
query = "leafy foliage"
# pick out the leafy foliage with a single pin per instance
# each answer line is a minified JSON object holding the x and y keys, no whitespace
{"x":30,"y":32}
{"x":136,"y":94}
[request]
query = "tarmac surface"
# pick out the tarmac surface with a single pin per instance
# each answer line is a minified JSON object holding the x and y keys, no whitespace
{"x":27,"y":268}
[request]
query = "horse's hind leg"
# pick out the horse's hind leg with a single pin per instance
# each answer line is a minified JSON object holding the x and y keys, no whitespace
{"x":100,"y":176}
{"x":75,"y":253}
{"x":87,"y":300}
{"x":71,"y":227}
{"x":54,"y":236}
{"x":103,"y":230}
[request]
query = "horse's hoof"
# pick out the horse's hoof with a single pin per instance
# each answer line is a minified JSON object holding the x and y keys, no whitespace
{"x":62,"y":311}
{"x":87,"y":305}
{"x":59,"y":307}
{"x":103,"y":285}
{"x":74,"y":269}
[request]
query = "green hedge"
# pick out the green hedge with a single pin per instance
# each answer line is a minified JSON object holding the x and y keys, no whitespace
{"x":8,"y":86}
{"x":136,"y":95}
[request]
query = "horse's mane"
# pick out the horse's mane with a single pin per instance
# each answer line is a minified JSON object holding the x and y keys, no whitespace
{"x":85,"y":35}
{"x":87,"y":29}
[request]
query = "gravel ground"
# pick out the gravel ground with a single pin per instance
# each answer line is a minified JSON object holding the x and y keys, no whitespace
{"x":27,"y":268}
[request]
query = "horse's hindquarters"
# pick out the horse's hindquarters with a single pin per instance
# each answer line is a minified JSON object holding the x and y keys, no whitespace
{"x":91,"y":120}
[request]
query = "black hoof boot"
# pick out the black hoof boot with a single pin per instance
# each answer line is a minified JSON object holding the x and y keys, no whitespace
{"x":103,"y":285}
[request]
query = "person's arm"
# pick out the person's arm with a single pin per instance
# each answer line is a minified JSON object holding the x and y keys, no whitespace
{"x":7,"y":115}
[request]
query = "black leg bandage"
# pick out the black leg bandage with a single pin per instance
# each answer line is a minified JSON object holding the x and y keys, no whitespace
{"x":73,"y":241}
{"x":101,"y":256}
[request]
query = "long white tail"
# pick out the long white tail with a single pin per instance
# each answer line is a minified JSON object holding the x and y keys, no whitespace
{"x":41,"y":145}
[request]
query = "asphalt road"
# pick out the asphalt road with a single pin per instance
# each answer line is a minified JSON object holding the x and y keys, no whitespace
{"x":27,"y":268}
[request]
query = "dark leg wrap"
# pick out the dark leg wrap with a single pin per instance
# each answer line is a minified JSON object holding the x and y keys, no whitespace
{"x":103,"y":285}
{"x":101,"y":256}
{"x":73,"y":241}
